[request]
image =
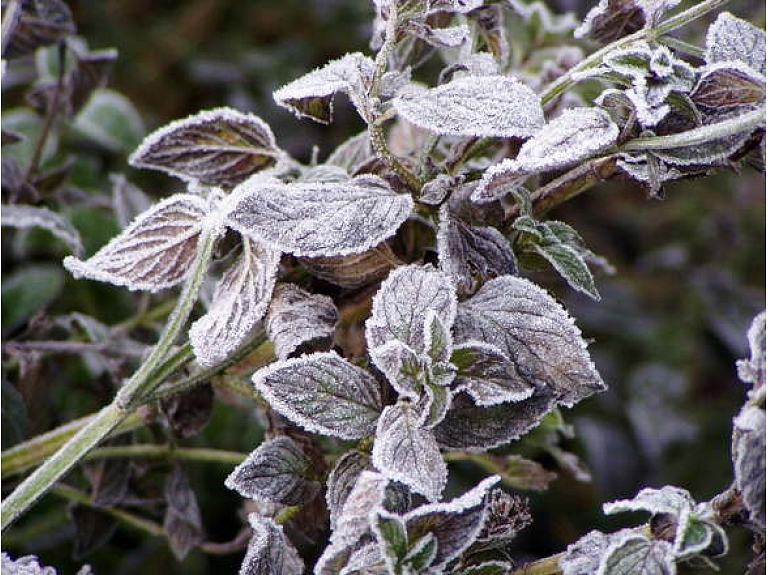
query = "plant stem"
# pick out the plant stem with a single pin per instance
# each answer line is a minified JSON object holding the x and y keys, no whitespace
{"x":546,"y":566}
{"x":162,"y":450}
{"x":125,"y":402}
{"x":701,"y":135}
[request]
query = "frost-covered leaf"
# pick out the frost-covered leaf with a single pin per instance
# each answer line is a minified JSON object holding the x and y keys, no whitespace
{"x":668,"y":499}
{"x":297,"y":318}
{"x":155,"y":252}
{"x":38,"y":23}
{"x":401,"y":305}
{"x":487,"y":568}
{"x":406,"y":453}
{"x":183,"y":523}
{"x":277,"y":471}
{"x":323,"y":393}
{"x":367,"y":495}
{"x":433,"y":405}
{"x":486,"y":374}
{"x":311,"y":96}
{"x":438,"y":340}
{"x":352,"y":153}
{"x":575,"y":135}
{"x":436,"y":190}
{"x":455,"y":525}
{"x":506,"y":515}
{"x":732,"y":39}
{"x":583,"y":557}
{"x":469,"y":427}
{"x":342,"y":479}
{"x":533,"y":331}
{"x":748,"y":454}
{"x":726,"y":84}
{"x":613,"y":19}
{"x":269,"y":551}
{"x":496,"y":106}
{"x":128,"y":201}
{"x":471,"y":255}
{"x":450,"y":37}
{"x":219,"y":147}
{"x":695,"y":535}
{"x":752,"y":370}
{"x":365,"y":559}
{"x":539,"y":14}
{"x":391,"y":537}
{"x":354,"y":270}
{"x":19,"y":216}
{"x":405,"y":369}
{"x":458,"y":6}
{"x":633,"y":554}
{"x":239,"y":302}
{"x":320,"y":218}
{"x":25,"y":565}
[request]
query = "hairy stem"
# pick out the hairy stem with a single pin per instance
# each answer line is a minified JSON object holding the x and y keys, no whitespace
{"x":125,"y":402}
{"x":546,"y":566}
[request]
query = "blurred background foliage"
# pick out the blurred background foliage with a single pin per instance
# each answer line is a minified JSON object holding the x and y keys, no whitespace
{"x":690,"y":275}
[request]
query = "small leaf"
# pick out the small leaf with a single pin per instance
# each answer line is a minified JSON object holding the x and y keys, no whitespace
{"x":539,"y":16}
{"x":438,"y":341}
{"x":433,"y":404}
{"x":422,"y":553}
{"x":752,"y":370}
{"x":487,"y":568}
{"x":733,"y":39}
{"x":19,"y":216}
{"x":584,"y":556}
{"x":341,"y":481}
{"x":668,"y":499}
{"x":269,"y":551}
{"x":188,"y":412}
{"x":401,"y":305}
{"x":727,"y":84}
{"x":450,"y":37}
{"x":219,"y":147}
{"x":239,"y":302}
{"x":455,"y":525}
{"x":352,"y":153}
{"x":323,"y":393}
{"x":183,"y":523}
{"x":486,"y":374}
{"x":277,"y":471}
{"x":155,"y":252}
{"x":320,"y":218}
{"x":635,"y":555}
{"x":355,"y":520}
{"x":38,"y":23}
{"x":533,"y":331}
{"x":109,"y":479}
{"x":613,"y":19}
{"x":405,"y":369}
{"x":749,"y":460}
{"x":354,"y":270}
{"x":297,"y":318}
{"x":506,"y":515}
{"x":408,"y":454}
{"x":480,"y":106}
{"x":472,"y":255}
{"x":128,"y":201}
{"x":391,"y":537}
{"x":311,"y":96}
{"x":434,"y":192}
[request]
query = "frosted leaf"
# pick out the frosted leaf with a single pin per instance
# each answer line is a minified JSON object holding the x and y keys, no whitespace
{"x":650,"y":174}
{"x":354,"y":270}
{"x":321,"y":218}
{"x":730,"y":38}
{"x":269,"y":551}
{"x":471,"y":255}
{"x":668,"y":499}
{"x":323,"y":393}
{"x":24,"y":565}
{"x":219,"y":147}
{"x":583,"y":557}
{"x":405,"y":369}
{"x":19,"y":216}
{"x":128,"y":201}
{"x":488,"y":568}
{"x":406,"y":453}
{"x":323,"y":173}
{"x":155,"y":252}
{"x":352,"y":153}
{"x":438,"y":341}
{"x":311,"y":96}
{"x":455,"y":525}
{"x":727,"y":84}
{"x":297,"y":317}
{"x":450,"y":37}
{"x":574,"y":136}
{"x":748,"y":454}
{"x":539,"y":12}
{"x":354,"y":521}
{"x":533,"y":331}
{"x":695,"y":535}
{"x":365,"y":560}
{"x":469,"y":427}
{"x":433,"y":404}
{"x":496,"y":106}
{"x":277,"y":471}
{"x":459,"y":6}
{"x":633,"y":554}
{"x":435,"y":191}
{"x":400,"y":307}
{"x":478,"y":64}
{"x":342,"y":479}
{"x":487,"y":375}
{"x":613,"y":19}
{"x":239,"y":302}
{"x":391,"y":538}
{"x":752,"y":370}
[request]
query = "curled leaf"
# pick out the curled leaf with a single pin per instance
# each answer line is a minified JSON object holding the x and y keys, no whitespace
{"x":486,"y":374}
{"x":38,"y":23}
{"x":19,"y":216}
{"x":727,"y":84}
{"x":749,"y":460}
{"x":269,"y":551}
{"x":341,"y":481}
{"x":752,"y":370}
{"x":354,"y":270}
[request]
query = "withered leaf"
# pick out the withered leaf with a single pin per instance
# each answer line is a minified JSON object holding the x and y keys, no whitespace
{"x":155,"y":252}
{"x":354,"y":270}
{"x":727,"y":84}
{"x":219,"y":147}
{"x":188,"y":412}
{"x":182,"y":523}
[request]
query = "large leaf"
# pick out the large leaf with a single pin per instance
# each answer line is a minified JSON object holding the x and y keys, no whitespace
{"x":277,"y":471}
{"x":311,"y":96}
{"x":269,"y":551}
{"x":18,"y":216}
{"x":732,"y":39}
{"x":297,"y":318}
{"x":496,"y":106}
{"x":533,"y":331}
{"x":401,"y":305}
{"x":319,"y":218}
{"x":409,"y":454}
{"x":324,"y":394}
{"x":239,"y":302}
{"x":155,"y":252}
{"x":110,"y":120}
{"x":633,"y":554}
{"x":220,"y":147}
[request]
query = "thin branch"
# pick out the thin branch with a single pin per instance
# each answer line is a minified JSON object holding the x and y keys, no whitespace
{"x":167,"y":451}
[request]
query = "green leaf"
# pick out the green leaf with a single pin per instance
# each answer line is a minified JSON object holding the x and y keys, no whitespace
{"x":392,"y":538}
{"x":28,"y":291}
{"x":25,"y":122}
{"x":636,"y":555}
{"x":111,"y":120}
{"x":421,"y":553}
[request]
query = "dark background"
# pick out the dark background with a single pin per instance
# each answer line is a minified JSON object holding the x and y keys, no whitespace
{"x":690,"y":276}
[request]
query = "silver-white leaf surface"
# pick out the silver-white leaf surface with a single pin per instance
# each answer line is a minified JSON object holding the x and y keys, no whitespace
{"x":20,"y":216}
{"x":633,"y":554}
{"x":748,"y":453}
{"x":269,"y":551}
{"x":488,"y":375}
{"x":341,"y":481}
{"x":752,"y":370}
{"x":732,"y":39}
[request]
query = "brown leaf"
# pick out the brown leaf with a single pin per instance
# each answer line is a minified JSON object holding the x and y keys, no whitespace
{"x":183,"y":523}
{"x":188,"y":412}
